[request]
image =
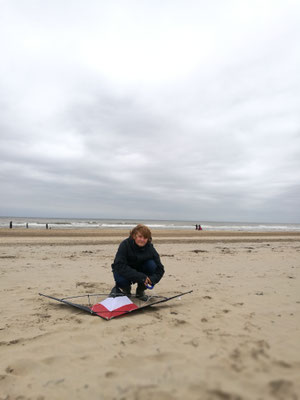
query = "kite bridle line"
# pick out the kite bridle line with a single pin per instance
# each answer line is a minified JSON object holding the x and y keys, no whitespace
{"x":108,"y":295}
{"x":145,"y":303}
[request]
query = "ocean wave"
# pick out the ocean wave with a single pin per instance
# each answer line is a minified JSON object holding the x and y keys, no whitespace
{"x":68,"y":223}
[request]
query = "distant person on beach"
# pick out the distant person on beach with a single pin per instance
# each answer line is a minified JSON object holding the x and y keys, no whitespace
{"x":136,"y":261}
{"x":200,"y":228}
{"x":196,"y":227}
{"x":10,"y":225}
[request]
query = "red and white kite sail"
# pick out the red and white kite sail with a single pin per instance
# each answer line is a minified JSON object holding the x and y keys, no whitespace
{"x":113,"y":307}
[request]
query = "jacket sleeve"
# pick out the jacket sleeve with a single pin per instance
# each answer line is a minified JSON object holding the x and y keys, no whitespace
{"x":160,"y":270}
{"x":121,"y":266}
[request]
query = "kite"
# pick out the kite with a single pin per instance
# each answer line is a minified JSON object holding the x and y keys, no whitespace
{"x":113,"y":306}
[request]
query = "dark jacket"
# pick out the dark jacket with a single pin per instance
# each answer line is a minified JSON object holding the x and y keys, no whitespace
{"x":130,"y":257}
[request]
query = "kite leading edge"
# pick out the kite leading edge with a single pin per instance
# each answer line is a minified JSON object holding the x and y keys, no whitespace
{"x":112,"y":307}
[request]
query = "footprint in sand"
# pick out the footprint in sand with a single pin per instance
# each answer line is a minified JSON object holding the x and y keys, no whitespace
{"x":179,"y":322}
{"x":282,"y":389}
{"x":220,"y":394}
{"x":86,"y":285}
{"x":110,"y":374}
{"x":8,"y":257}
{"x":9,"y":370}
{"x":193,"y":342}
{"x":22,"y":367}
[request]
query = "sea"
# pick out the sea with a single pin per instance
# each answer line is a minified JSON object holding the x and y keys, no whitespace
{"x":126,"y":224}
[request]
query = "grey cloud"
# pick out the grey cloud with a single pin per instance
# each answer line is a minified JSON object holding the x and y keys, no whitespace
{"x":219,"y":142}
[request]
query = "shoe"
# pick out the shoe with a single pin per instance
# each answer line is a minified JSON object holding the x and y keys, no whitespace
{"x":127,"y":291}
{"x":140,"y":292}
{"x":115,"y":292}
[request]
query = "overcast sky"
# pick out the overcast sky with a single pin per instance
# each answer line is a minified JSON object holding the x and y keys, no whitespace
{"x":162,"y":109}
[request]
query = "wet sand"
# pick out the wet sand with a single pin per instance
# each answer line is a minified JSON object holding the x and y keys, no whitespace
{"x":235,"y":337}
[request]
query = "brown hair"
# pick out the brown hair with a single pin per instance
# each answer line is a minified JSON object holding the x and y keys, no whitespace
{"x":143,"y":230}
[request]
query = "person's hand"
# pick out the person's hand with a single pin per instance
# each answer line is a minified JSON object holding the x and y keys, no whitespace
{"x":148,"y":282}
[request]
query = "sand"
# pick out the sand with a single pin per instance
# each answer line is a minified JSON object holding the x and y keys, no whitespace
{"x":236,"y":336}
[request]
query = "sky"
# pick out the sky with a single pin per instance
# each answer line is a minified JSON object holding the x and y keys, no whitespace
{"x":147,"y":109}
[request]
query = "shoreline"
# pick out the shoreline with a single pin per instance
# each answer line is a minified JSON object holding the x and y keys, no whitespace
{"x":87,"y":237}
{"x":5,"y":232}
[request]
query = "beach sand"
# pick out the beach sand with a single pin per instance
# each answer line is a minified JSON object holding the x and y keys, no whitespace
{"x":235,"y":337}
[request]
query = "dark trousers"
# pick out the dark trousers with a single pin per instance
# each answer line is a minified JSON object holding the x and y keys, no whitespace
{"x":148,"y":268}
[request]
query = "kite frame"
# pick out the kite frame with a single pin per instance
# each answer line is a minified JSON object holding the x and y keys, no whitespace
{"x":90,"y":311}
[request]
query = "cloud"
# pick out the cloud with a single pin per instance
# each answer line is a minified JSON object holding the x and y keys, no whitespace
{"x":150,"y":110}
